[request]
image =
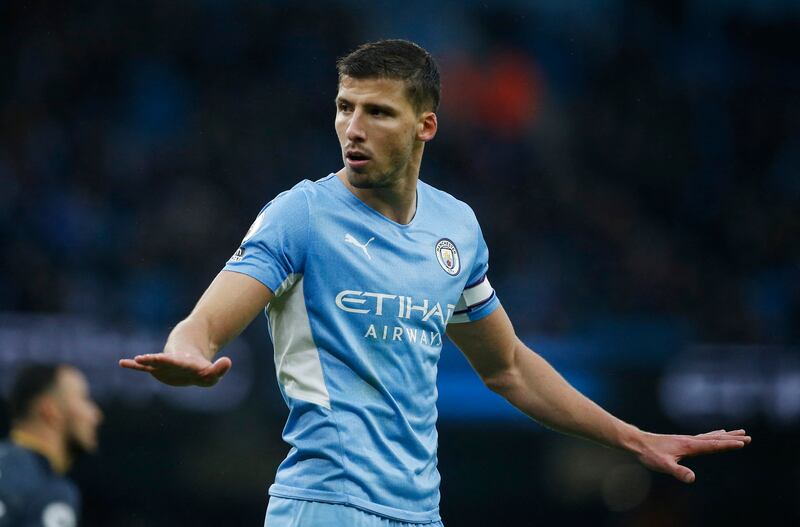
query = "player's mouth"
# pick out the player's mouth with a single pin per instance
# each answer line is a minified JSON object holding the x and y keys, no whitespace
{"x":356,"y":159}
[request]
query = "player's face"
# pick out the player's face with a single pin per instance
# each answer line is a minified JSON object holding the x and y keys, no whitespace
{"x":378,"y":130}
{"x":81,"y":415}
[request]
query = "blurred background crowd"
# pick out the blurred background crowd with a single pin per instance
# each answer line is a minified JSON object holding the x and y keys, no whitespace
{"x":634,"y":166}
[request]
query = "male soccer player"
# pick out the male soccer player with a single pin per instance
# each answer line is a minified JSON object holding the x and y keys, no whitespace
{"x":362,"y":272}
{"x":53,"y":420}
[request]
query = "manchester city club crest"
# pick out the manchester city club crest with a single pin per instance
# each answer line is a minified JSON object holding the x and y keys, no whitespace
{"x":447,"y":254}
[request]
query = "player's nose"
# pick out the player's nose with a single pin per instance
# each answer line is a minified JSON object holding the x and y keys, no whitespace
{"x":98,"y":415}
{"x":355,"y":129}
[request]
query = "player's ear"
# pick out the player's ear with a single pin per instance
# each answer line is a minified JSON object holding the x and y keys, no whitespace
{"x":427,"y":126}
{"x":47,"y":409}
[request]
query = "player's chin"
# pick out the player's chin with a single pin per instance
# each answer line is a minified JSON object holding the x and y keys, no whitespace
{"x":90,"y":446}
{"x":360,"y":178}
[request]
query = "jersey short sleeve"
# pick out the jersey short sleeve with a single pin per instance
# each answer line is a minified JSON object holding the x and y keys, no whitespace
{"x":275,"y":245}
{"x":478,"y":299}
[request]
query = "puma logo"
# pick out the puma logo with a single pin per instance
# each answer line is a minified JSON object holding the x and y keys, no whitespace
{"x":348,"y":238}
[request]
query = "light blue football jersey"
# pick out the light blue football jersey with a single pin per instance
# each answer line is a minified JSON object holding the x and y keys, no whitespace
{"x":360,"y":309}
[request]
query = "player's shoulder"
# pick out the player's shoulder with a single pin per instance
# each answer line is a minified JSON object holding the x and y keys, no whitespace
{"x":288,"y":205}
{"x":321,"y":189}
{"x":446,"y":204}
{"x":20,"y":465}
{"x":26,"y":473}
{"x":295,"y":195}
{"x":54,"y":501}
{"x":302,"y":193}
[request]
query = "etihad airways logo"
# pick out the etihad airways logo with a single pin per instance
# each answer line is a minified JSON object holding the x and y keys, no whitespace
{"x":385,"y":304}
{"x":398,"y":307}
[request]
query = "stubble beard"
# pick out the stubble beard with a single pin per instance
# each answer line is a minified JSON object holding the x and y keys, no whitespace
{"x":365,"y":180}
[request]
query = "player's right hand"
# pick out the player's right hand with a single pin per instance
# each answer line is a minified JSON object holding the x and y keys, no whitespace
{"x":180,"y":368}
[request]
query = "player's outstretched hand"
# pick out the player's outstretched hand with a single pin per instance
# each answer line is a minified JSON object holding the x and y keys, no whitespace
{"x":180,"y":368}
{"x":663,"y":452}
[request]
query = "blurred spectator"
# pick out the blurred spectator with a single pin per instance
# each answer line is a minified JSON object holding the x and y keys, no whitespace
{"x":53,"y":421}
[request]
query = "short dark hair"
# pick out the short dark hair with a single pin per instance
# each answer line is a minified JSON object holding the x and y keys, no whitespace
{"x":31,"y":381}
{"x":400,"y":60}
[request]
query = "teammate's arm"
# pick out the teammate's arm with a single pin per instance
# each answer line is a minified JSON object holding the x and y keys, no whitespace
{"x":511,"y":369}
{"x":229,"y":304}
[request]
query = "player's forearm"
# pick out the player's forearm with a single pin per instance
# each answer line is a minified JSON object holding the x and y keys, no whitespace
{"x":538,"y":390}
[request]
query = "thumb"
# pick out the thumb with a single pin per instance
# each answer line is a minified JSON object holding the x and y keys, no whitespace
{"x":220,"y":367}
{"x":684,"y":474}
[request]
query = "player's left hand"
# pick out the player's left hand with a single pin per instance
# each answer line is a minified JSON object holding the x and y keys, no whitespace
{"x":664,"y":452}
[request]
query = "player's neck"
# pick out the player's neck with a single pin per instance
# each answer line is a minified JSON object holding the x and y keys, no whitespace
{"x":44,"y":441}
{"x":397,"y":202}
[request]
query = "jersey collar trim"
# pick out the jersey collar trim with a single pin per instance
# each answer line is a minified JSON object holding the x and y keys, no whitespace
{"x":349,"y":196}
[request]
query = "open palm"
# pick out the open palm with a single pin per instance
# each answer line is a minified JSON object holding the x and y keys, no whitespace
{"x":180,"y":368}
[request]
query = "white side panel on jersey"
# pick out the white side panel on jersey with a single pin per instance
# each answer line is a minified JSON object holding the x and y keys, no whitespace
{"x":296,"y":355}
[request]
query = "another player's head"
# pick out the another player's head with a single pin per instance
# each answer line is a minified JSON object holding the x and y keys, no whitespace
{"x":53,"y":402}
{"x":385,"y":111}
